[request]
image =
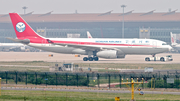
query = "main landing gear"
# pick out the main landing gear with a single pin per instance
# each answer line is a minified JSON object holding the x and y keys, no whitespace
{"x":90,"y":58}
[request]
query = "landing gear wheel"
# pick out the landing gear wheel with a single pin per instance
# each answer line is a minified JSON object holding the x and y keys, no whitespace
{"x":85,"y":59}
{"x":162,"y":59}
{"x":147,"y":59}
{"x":96,"y":58}
{"x":90,"y":59}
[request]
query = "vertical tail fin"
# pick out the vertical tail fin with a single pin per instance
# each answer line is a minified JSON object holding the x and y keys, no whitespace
{"x":89,"y":35}
{"x":21,"y":28}
{"x":173,"y":39}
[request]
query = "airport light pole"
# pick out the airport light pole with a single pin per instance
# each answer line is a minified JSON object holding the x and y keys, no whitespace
{"x":123,"y":6}
{"x":24,"y":9}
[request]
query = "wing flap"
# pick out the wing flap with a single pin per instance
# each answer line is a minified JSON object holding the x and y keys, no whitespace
{"x":87,"y":47}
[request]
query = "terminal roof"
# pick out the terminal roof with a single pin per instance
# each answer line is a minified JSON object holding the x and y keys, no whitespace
{"x":97,"y":17}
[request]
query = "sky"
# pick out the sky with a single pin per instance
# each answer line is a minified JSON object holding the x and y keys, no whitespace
{"x":87,"y":6}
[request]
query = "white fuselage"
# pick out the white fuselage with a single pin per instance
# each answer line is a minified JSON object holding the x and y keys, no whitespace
{"x":127,"y":46}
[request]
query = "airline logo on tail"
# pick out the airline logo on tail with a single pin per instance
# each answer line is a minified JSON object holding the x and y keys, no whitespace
{"x":20,"y":27}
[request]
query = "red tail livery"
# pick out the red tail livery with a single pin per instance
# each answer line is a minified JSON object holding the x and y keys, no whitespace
{"x":22,"y":29}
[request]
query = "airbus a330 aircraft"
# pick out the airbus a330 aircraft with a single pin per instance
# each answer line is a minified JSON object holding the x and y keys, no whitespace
{"x":93,"y":47}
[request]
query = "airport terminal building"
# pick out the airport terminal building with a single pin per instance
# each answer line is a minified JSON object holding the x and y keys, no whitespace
{"x":106,"y":25}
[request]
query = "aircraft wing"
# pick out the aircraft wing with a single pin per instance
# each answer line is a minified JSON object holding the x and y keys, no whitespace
{"x":86,"y":47}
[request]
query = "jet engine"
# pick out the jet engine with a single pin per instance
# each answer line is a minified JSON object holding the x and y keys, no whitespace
{"x":110,"y":54}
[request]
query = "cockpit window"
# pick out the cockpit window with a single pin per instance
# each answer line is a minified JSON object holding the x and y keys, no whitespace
{"x":164,"y":43}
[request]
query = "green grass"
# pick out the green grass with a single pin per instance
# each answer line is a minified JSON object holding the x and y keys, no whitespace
{"x":17,"y":95}
{"x":31,"y":63}
{"x":16,"y":68}
{"x":102,"y":81}
{"x":99,"y":65}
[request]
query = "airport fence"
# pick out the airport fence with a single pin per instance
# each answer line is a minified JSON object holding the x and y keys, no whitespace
{"x":159,"y":79}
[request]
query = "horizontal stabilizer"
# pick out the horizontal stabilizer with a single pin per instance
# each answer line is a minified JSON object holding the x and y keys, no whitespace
{"x":25,"y":41}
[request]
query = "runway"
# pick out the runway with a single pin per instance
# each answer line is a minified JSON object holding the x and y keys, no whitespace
{"x":44,"y":56}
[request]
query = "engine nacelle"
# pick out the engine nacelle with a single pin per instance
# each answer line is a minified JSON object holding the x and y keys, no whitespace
{"x":108,"y":54}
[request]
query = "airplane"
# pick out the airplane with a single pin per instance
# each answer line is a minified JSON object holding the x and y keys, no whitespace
{"x":95,"y":48}
{"x":12,"y":46}
{"x":175,"y":45}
